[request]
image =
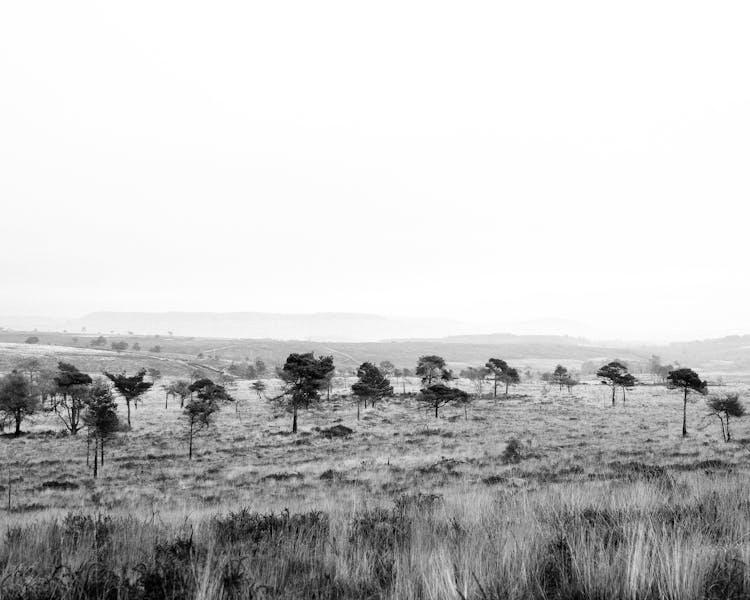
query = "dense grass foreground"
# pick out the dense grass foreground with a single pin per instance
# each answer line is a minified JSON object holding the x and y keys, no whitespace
{"x":655,"y":536}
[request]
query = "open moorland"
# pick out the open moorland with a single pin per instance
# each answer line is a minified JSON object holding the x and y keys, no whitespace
{"x":543,"y":493}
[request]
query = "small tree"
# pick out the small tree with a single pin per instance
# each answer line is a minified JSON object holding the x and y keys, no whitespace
{"x":179,"y":388}
{"x":100,"y":418}
{"x":155,"y":349}
{"x":131,"y":388}
{"x":510,"y":377}
{"x":17,"y":400}
{"x":98,"y":342}
{"x":724,"y":407}
{"x":72,"y":386}
{"x":372,"y":384}
{"x":198,"y":414}
{"x":477,"y":376}
{"x":432,"y":369}
{"x":208,"y":390}
{"x":119,"y":346}
{"x":258,"y":387}
{"x":688,"y":381}
{"x":615,"y":374}
{"x":386,"y":368}
{"x":439,"y":395}
{"x":559,"y":375}
{"x":32,"y":339}
{"x":154,"y":374}
{"x":31,"y":366}
{"x":570,"y":381}
{"x":496,"y":368}
{"x":304,"y":377}
{"x":261,"y":370}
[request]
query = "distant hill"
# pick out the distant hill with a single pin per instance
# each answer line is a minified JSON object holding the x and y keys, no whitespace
{"x":331,"y":327}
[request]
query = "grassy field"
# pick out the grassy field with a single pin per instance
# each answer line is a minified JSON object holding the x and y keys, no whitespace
{"x":590,"y":501}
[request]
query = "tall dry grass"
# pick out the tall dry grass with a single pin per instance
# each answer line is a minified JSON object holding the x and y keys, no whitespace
{"x":655,"y":535}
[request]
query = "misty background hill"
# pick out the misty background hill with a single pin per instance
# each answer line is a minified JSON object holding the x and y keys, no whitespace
{"x":355,"y":338}
{"x":330,"y":326}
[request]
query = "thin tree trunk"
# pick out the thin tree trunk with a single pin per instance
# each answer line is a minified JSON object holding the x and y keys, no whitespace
{"x":294,"y":421}
{"x":357,"y":410}
{"x":436,"y":411}
{"x":18,"y":425}
{"x":127,"y":402}
{"x":614,"y":389}
{"x":96,"y":456}
{"x":102,"y":452}
{"x":729,"y":435}
{"x":190,"y":443}
{"x":684,"y":414}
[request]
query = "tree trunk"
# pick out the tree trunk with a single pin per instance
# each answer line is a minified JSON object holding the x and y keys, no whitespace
{"x":127,"y":402}
{"x":102,"y":452}
{"x":729,"y":435}
{"x":357,"y":410}
{"x":166,"y":401}
{"x":294,"y":421}
{"x":494,"y":391}
{"x":614,"y":389}
{"x":684,"y":414}
{"x":436,"y":411}
{"x":18,"y":424}
{"x":96,"y":456}
{"x":190,"y":443}
{"x":507,"y":383}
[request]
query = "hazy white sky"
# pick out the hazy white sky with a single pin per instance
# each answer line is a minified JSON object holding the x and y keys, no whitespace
{"x":494,"y":161}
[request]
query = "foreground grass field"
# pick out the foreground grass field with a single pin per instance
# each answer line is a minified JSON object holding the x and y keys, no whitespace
{"x":590,"y":501}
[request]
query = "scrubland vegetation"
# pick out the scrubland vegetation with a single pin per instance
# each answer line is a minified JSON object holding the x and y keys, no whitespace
{"x":547,"y":490}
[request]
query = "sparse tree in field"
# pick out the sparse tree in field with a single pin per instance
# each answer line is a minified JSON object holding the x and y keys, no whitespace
{"x":32,"y":339}
{"x":30,"y":366}
{"x":72,"y":388}
{"x":723,"y":407}
{"x":477,"y":376}
{"x":17,"y":398}
{"x":304,"y":377}
{"x":510,"y":377}
{"x":615,"y":374}
{"x":570,"y":381}
{"x":258,"y":387}
{"x":208,"y":390}
{"x":155,"y":349}
{"x":100,"y":418}
{"x":45,"y":385}
{"x":130,"y":388}
{"x":154,"y":374}
{"x":439,"y":395}
{"x":559,"y":375}
{"x":98,"y":342}
{"x":657,"y":369}
{"x":688,"y":381}
{"x":496,"y":367}
{"x":386,"y":368}
{"x":119,"y":346}
{"x":372,"y":384}
{"x":261,"y":370}
{"x":399,"y":375}
{"x":136,"y":347}
{"x":198,"y":414}
{"x":180,"y":388}
{"x":432,"y":369}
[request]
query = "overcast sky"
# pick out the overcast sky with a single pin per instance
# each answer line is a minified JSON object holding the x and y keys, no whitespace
{"x":490,"y":162}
